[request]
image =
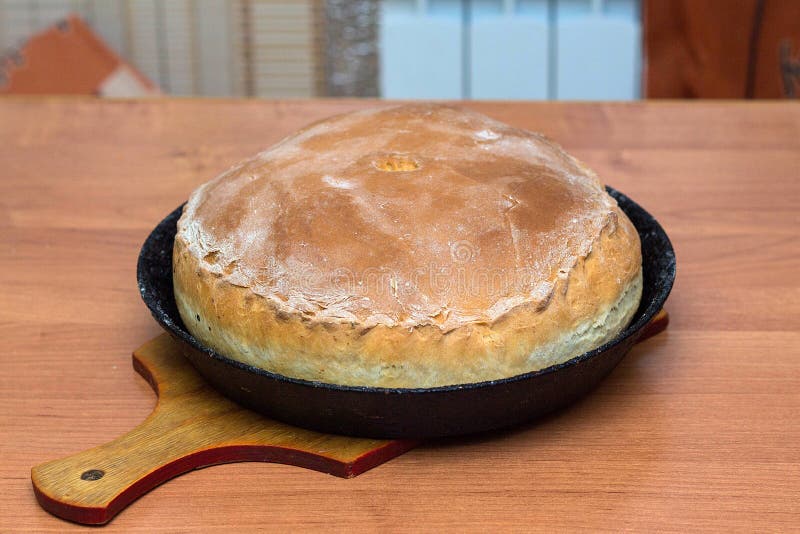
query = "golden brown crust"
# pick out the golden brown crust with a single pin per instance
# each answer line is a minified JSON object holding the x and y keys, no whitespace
{"x":302,"y":261}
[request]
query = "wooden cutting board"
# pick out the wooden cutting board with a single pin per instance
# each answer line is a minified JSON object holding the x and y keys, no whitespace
{"x":193,"y":426}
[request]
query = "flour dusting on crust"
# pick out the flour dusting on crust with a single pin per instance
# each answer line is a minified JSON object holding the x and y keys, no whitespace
{"x":401,"y":216}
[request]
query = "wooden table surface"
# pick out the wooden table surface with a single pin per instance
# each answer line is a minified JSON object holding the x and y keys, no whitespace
{"x":697,"y":428}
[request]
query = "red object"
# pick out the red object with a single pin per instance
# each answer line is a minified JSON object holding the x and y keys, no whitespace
{"x":69,"y":58}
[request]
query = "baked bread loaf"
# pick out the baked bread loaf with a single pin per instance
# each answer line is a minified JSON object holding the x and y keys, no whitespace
{"x":409,"y":246}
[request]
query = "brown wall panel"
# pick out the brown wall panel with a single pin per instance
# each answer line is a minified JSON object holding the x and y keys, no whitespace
{"x":721,"y":48}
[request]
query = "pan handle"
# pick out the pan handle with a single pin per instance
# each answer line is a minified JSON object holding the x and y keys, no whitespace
{"x":656,"y":325}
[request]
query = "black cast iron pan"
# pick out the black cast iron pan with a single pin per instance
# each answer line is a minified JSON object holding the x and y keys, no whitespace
{"x":408,"y":413}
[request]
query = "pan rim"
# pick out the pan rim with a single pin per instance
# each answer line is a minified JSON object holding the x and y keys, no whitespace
{"x":642,"y":317}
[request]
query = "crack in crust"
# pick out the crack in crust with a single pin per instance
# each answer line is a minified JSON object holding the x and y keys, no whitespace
{"x":305,"y":260}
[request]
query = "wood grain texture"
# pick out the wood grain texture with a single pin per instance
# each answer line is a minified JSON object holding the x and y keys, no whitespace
{"x":702,"y":48}
{"x":191,"y":426}
{"x":697,"y":428}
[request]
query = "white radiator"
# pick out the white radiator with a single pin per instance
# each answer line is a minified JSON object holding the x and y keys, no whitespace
{"x":511,"y":49}
{"x":495,"y":49}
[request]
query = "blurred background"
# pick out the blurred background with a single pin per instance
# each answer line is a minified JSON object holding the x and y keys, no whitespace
{"x":403,"y":49}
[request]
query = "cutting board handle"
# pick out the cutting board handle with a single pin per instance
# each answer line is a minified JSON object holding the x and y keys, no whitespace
{"x":192,"y":426}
